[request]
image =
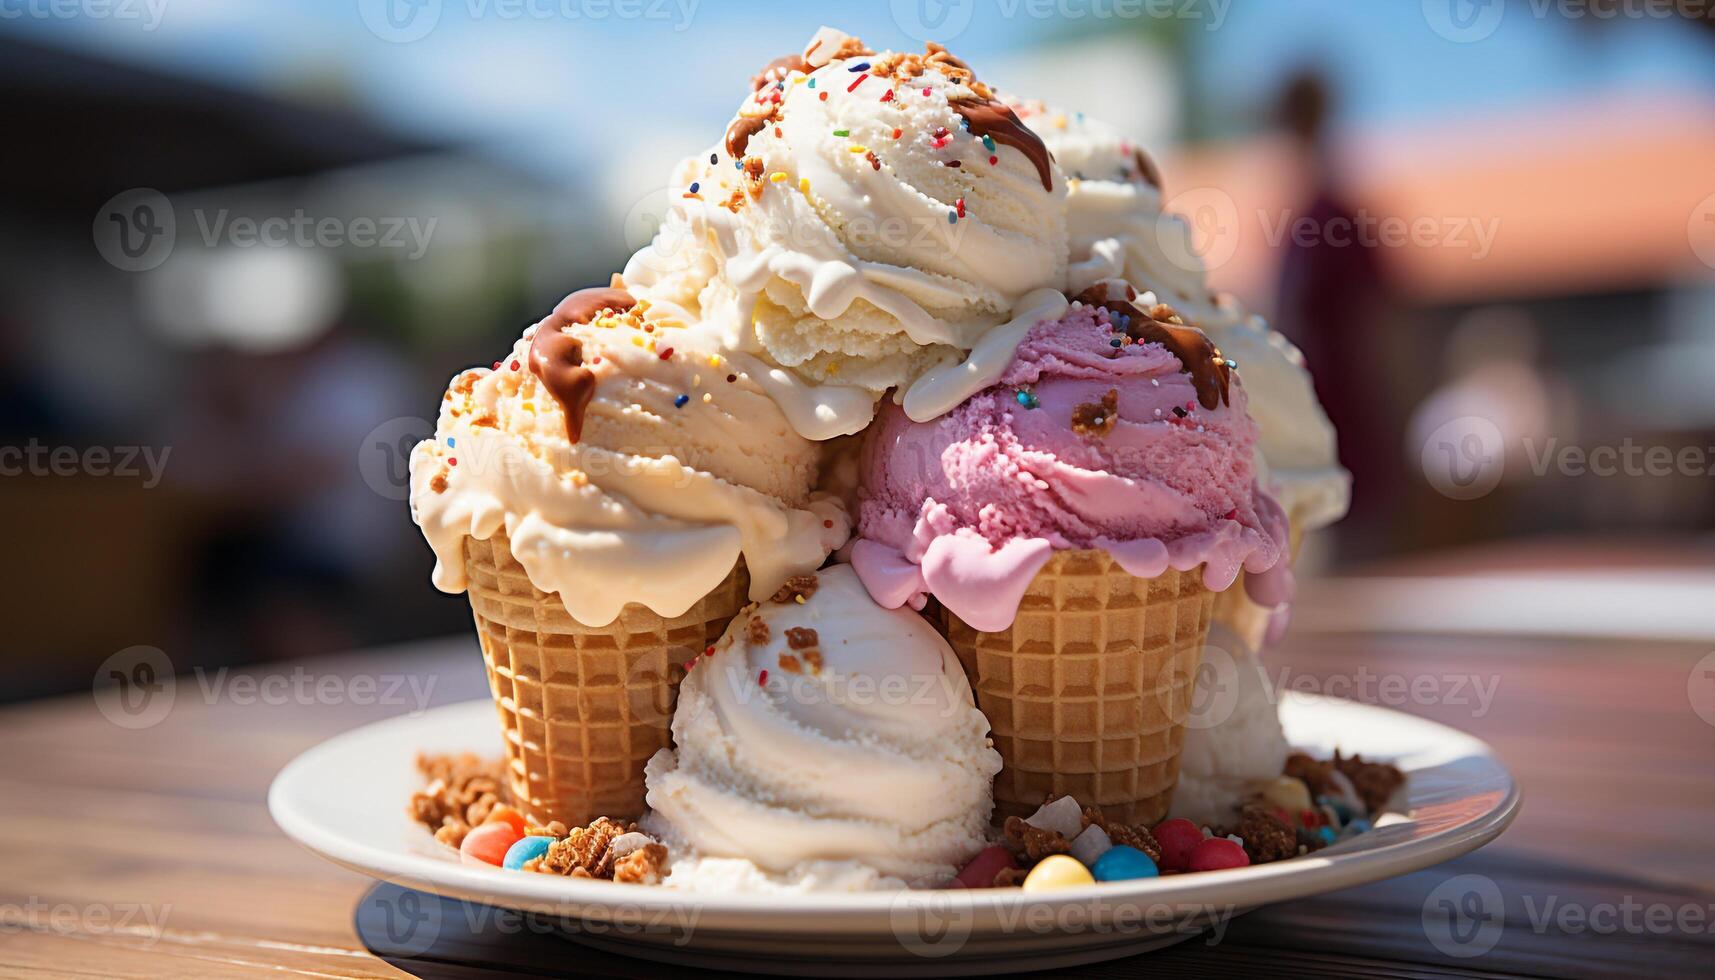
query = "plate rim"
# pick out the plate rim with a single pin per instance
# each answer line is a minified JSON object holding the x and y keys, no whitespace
{"x":1261,"y":885}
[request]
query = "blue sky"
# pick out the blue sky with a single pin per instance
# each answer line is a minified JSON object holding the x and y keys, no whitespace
{"x":556,"y":80}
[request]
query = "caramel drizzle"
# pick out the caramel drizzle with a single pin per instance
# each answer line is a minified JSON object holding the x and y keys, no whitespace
{"x":990,"y":118}
{"x":742,"y":129}
{"x":778,"y":69}
{"x":557,"y":357}
{"x":1197,"y":354}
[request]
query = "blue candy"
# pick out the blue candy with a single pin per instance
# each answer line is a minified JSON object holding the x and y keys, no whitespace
{"x":526,"y":849}
{"x":1326,"y":833}
{"x":1359,"y":826}
{"x":1122,"y":863}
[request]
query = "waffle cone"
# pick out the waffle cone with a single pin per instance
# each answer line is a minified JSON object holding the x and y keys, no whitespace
{"x":1088,"y":690}
{"x":1234,"y":608}
{"x":582,"y":707}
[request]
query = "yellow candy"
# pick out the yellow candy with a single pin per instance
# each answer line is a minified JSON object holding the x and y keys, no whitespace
{"x":1287,"y":793}
{"x":1057,"y":871}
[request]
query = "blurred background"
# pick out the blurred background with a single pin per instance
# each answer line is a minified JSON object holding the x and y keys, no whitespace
{"x":245,"y":244}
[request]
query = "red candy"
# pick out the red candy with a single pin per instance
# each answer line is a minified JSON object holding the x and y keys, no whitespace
{"x":1178,"y":838}
{"x":982,"y":869}
{"x":488,"y":843}
{"x":1218,"y":854}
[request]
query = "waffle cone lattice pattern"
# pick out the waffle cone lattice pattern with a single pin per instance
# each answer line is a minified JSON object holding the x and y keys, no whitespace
{"x":582,"y":707}
{"x":1088,"y":691}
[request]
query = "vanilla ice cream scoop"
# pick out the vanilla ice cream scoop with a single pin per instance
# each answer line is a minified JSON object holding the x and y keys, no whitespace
{"x":1117,"y":226}
{"x":1233,"y":739}
{"x":627,"y":460}
{"x":825,"y":742}
{"x":868,"y":216}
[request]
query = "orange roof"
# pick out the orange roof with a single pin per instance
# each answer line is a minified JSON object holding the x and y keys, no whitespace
{"x":1574,"y":199}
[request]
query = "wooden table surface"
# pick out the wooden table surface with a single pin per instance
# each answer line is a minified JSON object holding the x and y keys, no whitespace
{"x":151,"y":853}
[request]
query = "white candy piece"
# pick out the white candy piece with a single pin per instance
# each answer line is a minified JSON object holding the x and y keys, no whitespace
{"x":626,"y":843}
{"x":823,"y":44}
{"x":1064,"y":816}
{"x":1091,"y":844}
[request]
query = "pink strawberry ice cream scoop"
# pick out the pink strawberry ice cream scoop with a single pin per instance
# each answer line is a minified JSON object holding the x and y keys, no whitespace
{"x":1094,"y":437}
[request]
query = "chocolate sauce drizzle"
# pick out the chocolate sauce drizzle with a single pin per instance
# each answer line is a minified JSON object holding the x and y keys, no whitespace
{"x":1197,"y":354}
{"x":1147,"y":169}
{"x":990,"y":118}
{"x":558,"y":357}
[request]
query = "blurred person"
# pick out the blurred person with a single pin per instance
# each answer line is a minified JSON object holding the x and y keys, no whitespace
{"x":1332,"y":302}
{"x":1496,"y":411}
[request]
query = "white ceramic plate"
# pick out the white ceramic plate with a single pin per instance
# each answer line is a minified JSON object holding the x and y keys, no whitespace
{"x":345,"y":799}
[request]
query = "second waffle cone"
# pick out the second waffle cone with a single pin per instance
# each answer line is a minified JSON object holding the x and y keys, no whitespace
{"x":582,"y":707}
{"x":1088,"y":690}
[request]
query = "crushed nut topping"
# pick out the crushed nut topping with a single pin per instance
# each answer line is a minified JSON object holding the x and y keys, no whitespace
{"x":802,"y":638}
{"x":813,"y":658}
{"x":439,"y":483}
{"x":645,"y":866}
{"x":1093,"y":419}
{"x":790,"y":664}
{"x":797,"y":587}
{"x":461,"y":791}
{"x":1033,"y":842}
{"x":1266,"y":837}
{"x":585,"y":852}
{"x":756,"y":631}
{"x":1137,"y":836}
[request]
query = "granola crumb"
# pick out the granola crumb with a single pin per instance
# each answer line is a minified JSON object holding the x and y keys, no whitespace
{"x":813,"y":660}
{"x":461,"y":791}
{"x":756,"y":631}
{"x":439,"y":483}
{"x":1376,"y":782}
{"x":1010,"y":877}
{"x":797,"y":587}
{"x":1097,"y":419}
{"x":645,"y":866}
{"x":586,"y":851}
{"x":802,"y":638}
{"x":1031,"y":842}
{"x":1266,"y":837}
